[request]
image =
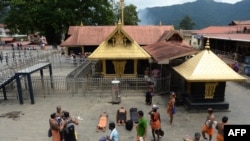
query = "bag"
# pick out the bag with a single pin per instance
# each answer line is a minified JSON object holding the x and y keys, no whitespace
{"x":129,"y":125}
{"x":49,"y":133}
{"x":70,"y":128}
{"x":161,"y":132}
{"x":69,"y":132}
{"x":173,"y":110}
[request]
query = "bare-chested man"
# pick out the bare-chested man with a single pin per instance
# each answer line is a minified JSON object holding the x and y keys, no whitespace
{"x":208,"y":125}
{"x":220,"y":129}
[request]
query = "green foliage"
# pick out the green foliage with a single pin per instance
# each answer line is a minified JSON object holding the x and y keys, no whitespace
{"x":53,"y":17}
{"x":130,"y":14}
{"x":186,"y":23}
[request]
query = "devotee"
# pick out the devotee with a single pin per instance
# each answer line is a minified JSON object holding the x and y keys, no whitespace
{"x":220,"y":129}
{"x":171,"y":107}
{"x":207,"y":127}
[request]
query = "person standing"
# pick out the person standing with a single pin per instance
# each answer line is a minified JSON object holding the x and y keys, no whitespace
{"x":1,"y":57}
{"x":207,"y":127}
{"x":69,"y":133}
{"x":55,"y":127}
{"x":114,"y":136}
{"x":155,"y":122}
{"x":59,"y":118}
{"x":171,"y":107}
{"x":220,"y":129}
{"x":141,"y":127}
{"x":149,"y":95}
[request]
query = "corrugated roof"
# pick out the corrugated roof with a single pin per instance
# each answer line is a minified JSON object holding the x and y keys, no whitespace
{"x":167,"y":35}
{"x":220,"y":29}
{"x":206,"y":66}
{"x":233,"y":37}
{"x":246,"y":22}
{"x":164,"y":51}
{"x":95,"y":35}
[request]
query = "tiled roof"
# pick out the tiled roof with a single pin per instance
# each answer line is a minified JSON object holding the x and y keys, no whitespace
{"x":164,"y":51}
{"x":207,"y":67}
{"x":167,"y":35}
{"x":95,"y":35}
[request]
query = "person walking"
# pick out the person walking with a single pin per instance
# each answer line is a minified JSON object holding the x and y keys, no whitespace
{"x":114,"y":135}
{"x":141,"y":127}
{"x":220,"y":129}
{"x":207,"y":127}
{"x":155,"y":122}
{"x":171,"y":107}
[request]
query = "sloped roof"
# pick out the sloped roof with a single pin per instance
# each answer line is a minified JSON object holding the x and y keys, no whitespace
{"x":164,"y":51}
{"x":7,"y":39}
{"x":117,"y":50}
{"x":95,"y":35}
{"x":219,"y":29}
{"x":232,"y":37}
{"x":207,"y":67}
{"x":167,"y":35}
{"x":246,"y":22}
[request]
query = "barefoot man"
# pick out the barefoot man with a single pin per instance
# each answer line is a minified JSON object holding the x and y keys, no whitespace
{"x":207,"y":126}
{"x":220,"y":129}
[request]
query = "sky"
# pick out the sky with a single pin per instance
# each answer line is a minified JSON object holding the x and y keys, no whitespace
{"x":141,"y":4}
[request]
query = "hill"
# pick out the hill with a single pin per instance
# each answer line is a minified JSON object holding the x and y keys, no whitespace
{"x":202,"y":12}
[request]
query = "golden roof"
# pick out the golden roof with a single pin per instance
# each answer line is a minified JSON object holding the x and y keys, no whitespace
{"x":206,"y":66}
{"x":119,"y":45}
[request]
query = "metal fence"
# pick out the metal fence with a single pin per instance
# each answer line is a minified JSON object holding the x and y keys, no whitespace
{"x":80,"y":82}
{"x":44,"y":87}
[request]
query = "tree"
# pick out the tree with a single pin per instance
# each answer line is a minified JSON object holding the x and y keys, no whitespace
{"x":130,"y":14}
{"x":3,"y":9}
{"x":186,"y":23}
{"x":53,"y":17}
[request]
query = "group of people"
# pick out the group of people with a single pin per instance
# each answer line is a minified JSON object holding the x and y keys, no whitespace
{"x":211,"y":124}
{"x":62,"y":125}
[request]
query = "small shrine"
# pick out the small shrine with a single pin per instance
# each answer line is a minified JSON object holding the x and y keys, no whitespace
{"x":205,"y":76}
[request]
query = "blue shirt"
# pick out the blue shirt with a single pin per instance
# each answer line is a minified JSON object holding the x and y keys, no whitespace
{"x":114,"y":135}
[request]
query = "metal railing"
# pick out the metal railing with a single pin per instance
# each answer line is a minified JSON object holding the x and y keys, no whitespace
{"x":63,"y":86}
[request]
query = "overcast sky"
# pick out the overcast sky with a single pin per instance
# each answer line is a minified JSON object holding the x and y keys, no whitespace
{"x":141,"y":4}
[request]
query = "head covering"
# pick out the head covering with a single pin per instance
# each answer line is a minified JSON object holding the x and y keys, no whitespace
{"x":210,"y":109}
{"x":155,"y":106}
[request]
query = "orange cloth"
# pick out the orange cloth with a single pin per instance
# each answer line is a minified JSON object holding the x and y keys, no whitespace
{"x":207,"y":130}
{"x":155,"y":122}
{"x":102,"y":122}
{"x":219,"y":137}
{"x":55,"y":135}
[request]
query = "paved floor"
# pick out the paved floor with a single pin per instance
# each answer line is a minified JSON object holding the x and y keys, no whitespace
{"x":32,"y":122}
